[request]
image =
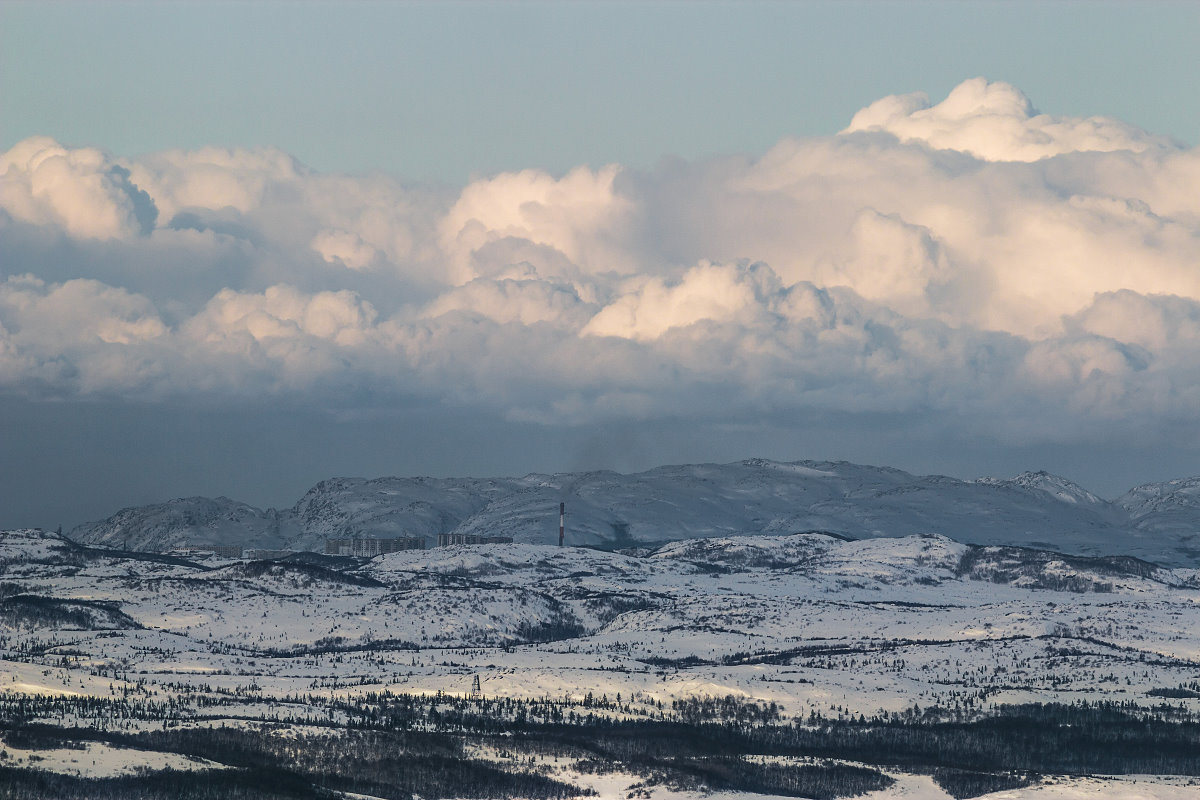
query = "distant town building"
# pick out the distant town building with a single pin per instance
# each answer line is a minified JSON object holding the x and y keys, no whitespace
{"x":447,"y":539}
{"x":370,"y":547}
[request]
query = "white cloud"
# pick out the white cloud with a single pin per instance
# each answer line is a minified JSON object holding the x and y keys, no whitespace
{"x":81,"y":191}
{"x":995,"y":122}
{"x":282,"y":312}
{"x":78,"y":312}
{"x":891,"y":262}
{"x":577,"y":215}
{"x":968,"y":259}
{"x":214,"y":178}
{"x":78,"y":337}
{"x":705,"y":293}
{"x":345,"y":248}
{"x":1156,"y":323}
{"x":523,"y":299}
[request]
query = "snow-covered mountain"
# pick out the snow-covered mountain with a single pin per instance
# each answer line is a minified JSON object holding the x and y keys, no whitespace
{"x":187,"y":521}
{"x":1057,"y":486}
{"x":1155,"y":522}
{"x":388,"y":507}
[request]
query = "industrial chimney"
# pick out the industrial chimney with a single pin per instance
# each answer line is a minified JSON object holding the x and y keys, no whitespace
{"x":562,"y":522}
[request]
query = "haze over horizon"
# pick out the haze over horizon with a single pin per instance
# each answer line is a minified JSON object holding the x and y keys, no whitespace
{"x":265,"y":283}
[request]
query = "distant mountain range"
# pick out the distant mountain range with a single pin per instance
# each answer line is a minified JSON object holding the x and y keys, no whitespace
{"x":1157,"y":522}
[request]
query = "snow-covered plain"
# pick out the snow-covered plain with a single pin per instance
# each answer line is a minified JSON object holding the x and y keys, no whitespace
{"x":810,"y":622}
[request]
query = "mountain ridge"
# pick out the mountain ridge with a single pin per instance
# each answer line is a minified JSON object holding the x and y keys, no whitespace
{"x":1154,"y":522}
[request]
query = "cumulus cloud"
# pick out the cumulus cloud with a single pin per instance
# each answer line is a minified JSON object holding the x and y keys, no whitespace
{"x":78,"y":337}
{"x":81,"y":191}
{"x":215,"y":178}
{"x":972,"y":256}
{"x":519,"y":297}
{"x":995,"y":122}
{"x":345,"y":248}
{"x":281,"y":312}
{"x":578,"y":216}
{"x":706,"y":293}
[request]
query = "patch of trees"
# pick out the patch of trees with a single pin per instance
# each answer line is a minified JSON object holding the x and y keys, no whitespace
{"x":1178,"y":693}
{"x":1044,"y":738}
{"x":1038,"y":738}
{"x":386,"y":764}
{"x":1007,"y":564}
{"x":814,"y":651}
{"x":560,"y":625}
{"x":607,"y":607}
{"x":396,"y":745}
{"x":685,"y":662}
{"x":961,"y":783}
{"x":729,"y":709}
{"x":32,"y":784}
{"x":332,"y":644}
{"x":36,"y":611}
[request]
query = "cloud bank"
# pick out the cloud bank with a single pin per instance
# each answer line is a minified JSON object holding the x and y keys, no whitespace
{"x":1029,"y":274}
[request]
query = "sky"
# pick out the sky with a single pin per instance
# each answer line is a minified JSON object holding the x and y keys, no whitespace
{"x":248,"y":246}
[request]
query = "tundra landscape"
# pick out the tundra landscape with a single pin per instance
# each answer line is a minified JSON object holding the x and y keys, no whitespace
{"x":645,"y":400}
{"x":757,"y":659}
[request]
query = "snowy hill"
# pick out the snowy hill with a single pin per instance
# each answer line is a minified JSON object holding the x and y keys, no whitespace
{"x":1058,"y":487}
{"x":388,"y":507}
{"x":187,"y":521}
{"x":719,"y":610}
{"x":1155,"y":522}
{"x":809,"y":625}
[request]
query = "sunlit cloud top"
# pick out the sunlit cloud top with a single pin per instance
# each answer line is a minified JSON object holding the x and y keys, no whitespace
{"x":1029,"y":271}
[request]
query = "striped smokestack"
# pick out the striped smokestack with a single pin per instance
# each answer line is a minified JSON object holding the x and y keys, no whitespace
{"x":562,"y":522}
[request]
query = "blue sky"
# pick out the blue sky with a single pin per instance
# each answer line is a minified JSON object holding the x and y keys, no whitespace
{"x":249,"y":246}
{"x":443,"y":91}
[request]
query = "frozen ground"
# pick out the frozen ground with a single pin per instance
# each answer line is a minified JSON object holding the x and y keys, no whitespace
{"x":811,"y":623}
